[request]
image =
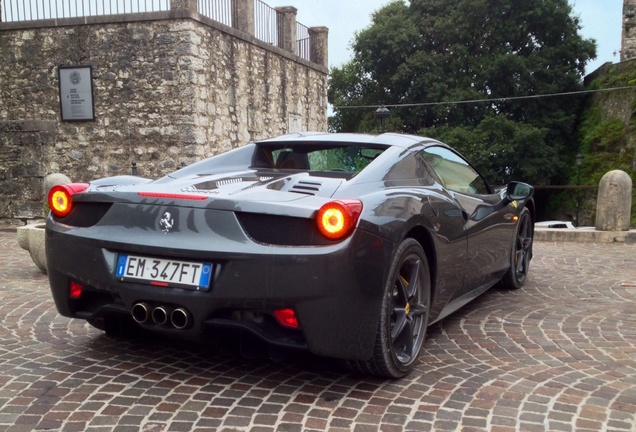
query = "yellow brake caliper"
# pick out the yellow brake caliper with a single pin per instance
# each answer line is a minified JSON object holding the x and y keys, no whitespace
{"x":407,"y":308}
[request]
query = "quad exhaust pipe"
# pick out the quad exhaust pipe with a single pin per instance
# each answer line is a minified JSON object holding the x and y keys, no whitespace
{"x":178,"y":318}
{"x":140,"y":313}
{"x":160,"y":315}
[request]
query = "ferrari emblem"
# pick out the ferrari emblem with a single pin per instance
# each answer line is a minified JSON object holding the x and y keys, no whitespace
{"x":166,"y":223}
{"x":515,"y":204}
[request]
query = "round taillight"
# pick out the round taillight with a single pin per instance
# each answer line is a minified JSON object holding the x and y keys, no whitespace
{"x":60,"y":198}
{"x":337,"y":219}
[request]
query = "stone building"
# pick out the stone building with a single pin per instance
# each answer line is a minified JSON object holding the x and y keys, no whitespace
{"x":169,"y":87}
{"x":628,"y":42}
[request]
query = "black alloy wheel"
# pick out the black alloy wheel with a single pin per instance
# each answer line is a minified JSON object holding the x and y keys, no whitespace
{"x":404,"y":316}
{"x":521,"y":253}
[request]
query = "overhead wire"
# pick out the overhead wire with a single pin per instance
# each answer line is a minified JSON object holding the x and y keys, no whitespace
{"x":484,"y":100}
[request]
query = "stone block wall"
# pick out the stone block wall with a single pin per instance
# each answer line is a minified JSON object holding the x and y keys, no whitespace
{"x":628,"y":43}
{"x":170,"y":88}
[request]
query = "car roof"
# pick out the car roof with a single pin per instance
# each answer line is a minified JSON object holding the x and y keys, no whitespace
{"x":391,"y":139}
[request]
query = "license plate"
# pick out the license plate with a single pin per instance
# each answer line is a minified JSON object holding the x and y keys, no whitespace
{"x":164,"y":272}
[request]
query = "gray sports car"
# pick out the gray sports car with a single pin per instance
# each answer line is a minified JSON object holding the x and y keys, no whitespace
{"x":345,"y":245}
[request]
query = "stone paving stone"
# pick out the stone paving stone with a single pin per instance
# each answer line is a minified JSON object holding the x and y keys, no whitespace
{"x":559,"y":354}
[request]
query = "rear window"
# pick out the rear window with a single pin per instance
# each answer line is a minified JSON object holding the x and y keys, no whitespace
{"x":308,"y":157}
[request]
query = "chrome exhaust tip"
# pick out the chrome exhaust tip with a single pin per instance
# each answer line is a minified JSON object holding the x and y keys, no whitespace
{"x":140,"y":313}
{"x":160,"y":315}
{"x":180,"y":318}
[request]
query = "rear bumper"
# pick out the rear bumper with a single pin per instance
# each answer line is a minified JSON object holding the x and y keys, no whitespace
{"x":336,"y":290}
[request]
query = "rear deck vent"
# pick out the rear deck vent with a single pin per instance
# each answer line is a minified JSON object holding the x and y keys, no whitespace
{"x":306,"y":187}
{"x":226,"y":182}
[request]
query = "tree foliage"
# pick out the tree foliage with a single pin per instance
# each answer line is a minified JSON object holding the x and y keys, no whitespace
{"x":434,"y":53}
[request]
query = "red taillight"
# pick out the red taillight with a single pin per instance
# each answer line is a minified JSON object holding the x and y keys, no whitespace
{"x":75,"y":290}
{"x":287,"y":318}
{"x":60,"y":197}
{"x":337,"y":219}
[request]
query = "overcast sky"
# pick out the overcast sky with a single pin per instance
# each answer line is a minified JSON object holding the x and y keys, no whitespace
{"x":601,"y":20}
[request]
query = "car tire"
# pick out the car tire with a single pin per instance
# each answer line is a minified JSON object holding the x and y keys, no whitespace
{"x":404,"y":315}
{"x":520,"y":254}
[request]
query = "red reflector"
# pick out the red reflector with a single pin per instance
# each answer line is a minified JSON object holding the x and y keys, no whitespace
{"x":75,"y":290}
{"x":173,"y":196}
{"x":287,"y":318}
{"x":161,"y":284}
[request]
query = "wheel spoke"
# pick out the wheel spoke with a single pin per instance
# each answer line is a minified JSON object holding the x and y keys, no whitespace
{"x":400,"y":323}
{"x":418,"y":309}
{"x":404,"y":345}
{"x":402,"y":290}
{"x":414,"y":282}
{"x":521,"y":262}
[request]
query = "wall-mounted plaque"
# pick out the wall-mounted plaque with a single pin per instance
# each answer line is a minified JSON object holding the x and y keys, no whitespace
{"x":76,"y":93}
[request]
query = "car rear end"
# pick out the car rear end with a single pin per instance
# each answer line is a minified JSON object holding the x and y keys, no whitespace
{"x":191,"y":264}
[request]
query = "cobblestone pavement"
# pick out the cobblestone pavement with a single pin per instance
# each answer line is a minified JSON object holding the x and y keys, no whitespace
{"x":558,"y":355}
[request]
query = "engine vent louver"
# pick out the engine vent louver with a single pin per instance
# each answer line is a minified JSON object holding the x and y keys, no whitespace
{"x":221,"y":183}
{"x":306,"y":187}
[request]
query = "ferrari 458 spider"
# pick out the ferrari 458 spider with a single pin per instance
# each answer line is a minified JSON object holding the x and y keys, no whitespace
{"x":345,"y":245}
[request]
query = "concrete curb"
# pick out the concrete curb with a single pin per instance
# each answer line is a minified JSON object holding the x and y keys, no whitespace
{"x":584,"y":235}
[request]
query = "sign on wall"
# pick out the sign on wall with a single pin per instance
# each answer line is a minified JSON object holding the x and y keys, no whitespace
{"x":76,"y":93}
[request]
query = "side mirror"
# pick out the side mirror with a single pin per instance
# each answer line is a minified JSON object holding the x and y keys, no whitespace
{"x":516,"y":191}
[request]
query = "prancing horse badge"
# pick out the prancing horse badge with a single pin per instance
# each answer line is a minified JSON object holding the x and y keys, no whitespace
{"x":166,"y":223}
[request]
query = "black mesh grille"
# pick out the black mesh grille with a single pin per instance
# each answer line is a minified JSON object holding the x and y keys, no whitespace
{"x":85,"y":214}
{"x":282,"y":230}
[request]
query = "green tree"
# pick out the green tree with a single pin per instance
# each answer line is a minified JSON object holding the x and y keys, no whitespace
{"x":437,"y":52}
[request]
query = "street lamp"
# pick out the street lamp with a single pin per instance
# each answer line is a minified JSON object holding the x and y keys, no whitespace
{"x":381,"y":114}
{"x":579,"y":162}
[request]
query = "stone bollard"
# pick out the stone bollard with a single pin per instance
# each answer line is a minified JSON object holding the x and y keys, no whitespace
{"x":31,"y":238}
{"x":614,"y":202}
{"x":53,"y":180}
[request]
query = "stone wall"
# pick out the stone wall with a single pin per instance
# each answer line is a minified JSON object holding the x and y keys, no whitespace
{"x":169,"y":88}
{"x":628,"y":43}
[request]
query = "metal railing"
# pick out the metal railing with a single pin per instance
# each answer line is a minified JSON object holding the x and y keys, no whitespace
{"x":303,"y":41}
{"x":266,"y":23}
{"x":218,"y":10}
{"x":31,"y":10}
